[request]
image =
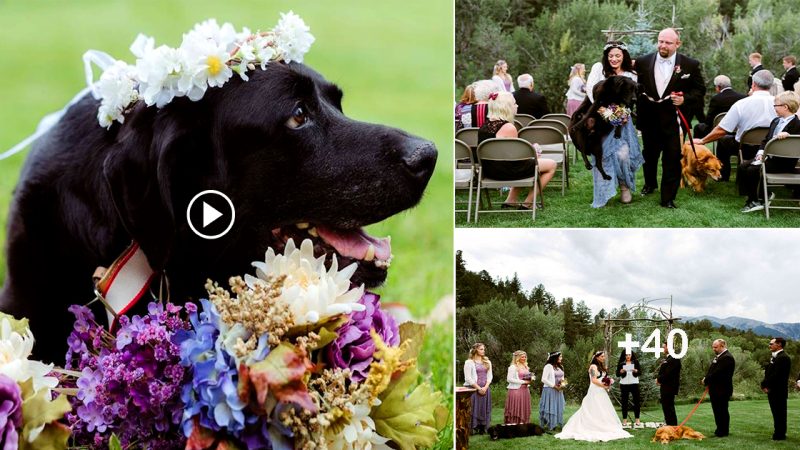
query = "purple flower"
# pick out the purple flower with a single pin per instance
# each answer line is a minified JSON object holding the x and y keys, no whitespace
{"x":10,"y":412}
{"x":353,"y":348}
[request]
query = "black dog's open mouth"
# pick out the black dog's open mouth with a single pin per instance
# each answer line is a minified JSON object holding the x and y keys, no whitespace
{"x":349,"y":245}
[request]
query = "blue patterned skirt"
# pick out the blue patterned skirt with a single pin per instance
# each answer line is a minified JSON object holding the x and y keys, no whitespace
{"x":622,"y":157}
{"x":551,"y":408}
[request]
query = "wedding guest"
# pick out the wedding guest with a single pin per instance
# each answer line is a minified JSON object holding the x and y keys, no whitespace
{"x":500,"y":124}
{"x":480,"y":110}
{"x":518,"y":401}
{"x":748,"y":174}
{"x":775,"y":385}
{"x":463,"y":113}
{"x":551,"y":405}
{"x":628,"y":369}
{"x":790,"y":76}
{"x":719,"y":379}
{"x":668,"y":380}
{"x":577,"y":87}
{"x":501,"y":77}
{"x":719,"y":103}
{"x":478,"y":375}
{"x":754,"y":59}
{"x":528,"y":101}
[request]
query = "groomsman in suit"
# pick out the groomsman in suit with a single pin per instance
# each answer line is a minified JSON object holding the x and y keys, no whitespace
{"x":791,"y":76}
{"x":719,"y":380}
{"x":719,"y":103}
{"x":775,"y":385}
{"x":669,"y":380}
{"x":755,"y":65}
{"x":667,"y":79}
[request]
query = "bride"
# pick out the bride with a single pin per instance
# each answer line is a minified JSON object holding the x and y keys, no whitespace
{"x":596,"y":419}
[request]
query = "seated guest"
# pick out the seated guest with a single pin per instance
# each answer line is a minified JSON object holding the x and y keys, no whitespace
{"x":748,"y":175}
{"x":500,"y":124}
{"x":529,"y":102}
{"x":463,"y":113}
{"x":482,"y":90}
{"x":719,"y":103}
{"x":754,"y":111}
{"x":791,"y":76}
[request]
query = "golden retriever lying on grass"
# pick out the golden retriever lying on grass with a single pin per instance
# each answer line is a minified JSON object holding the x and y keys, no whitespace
{"x":672,"y":433}
{"x":696,"y":170}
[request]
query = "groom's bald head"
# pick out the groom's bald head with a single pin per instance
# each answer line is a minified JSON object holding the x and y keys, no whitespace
{"x":668,"y":42}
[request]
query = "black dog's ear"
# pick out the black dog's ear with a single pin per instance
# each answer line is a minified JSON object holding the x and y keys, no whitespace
{"x":138,"y":172}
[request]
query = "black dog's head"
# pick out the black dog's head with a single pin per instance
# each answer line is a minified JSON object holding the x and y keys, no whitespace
{"x":617,"y":89}
{"x":294,"y":166}
{"x":516,"y":430}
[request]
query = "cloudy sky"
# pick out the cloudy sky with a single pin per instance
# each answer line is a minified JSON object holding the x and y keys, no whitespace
{"x":746,"y":273}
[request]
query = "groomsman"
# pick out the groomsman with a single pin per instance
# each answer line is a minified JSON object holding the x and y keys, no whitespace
{"x":776,"y":376}
{"x":669,"y":379}
{"x":719,"y":379}
{"x":791,"y":76}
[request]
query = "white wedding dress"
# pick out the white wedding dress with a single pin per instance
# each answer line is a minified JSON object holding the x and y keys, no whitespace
{"x":596,"y":419}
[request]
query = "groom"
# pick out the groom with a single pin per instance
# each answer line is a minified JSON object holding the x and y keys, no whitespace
{"x":667,"y":80}
{"x":719,"y":380}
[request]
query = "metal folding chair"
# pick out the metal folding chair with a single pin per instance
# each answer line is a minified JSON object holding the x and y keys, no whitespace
{"x":780,"y":148}
{"x":505,"y":149}
{"x":464,"y":174}
{"x":553,"y":146}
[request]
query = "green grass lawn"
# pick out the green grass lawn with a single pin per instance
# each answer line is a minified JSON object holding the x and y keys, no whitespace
{"x":717,"y":207}
{"x":751,"y":428}
{"x":394,"y":63}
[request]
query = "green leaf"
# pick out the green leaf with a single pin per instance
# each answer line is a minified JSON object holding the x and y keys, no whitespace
{"x":18,"y":325}
{"x":54,"y":437}
{"x":281,"y":374}
{"x":415,"y":333}
{"x":39,"y":410}
{"x":113,"y":443}
{"x":409,"y":419}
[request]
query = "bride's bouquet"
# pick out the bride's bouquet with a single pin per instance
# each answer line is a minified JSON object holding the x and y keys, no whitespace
{"x":615,"y":114}
{"x":607,"y":381}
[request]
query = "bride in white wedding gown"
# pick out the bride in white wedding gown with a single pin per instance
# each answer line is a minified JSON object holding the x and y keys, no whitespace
{"x":596,"y":419}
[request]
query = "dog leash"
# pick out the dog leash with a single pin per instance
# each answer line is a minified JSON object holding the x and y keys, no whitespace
{"x":683,"y":122}
{"x":695,"y":408}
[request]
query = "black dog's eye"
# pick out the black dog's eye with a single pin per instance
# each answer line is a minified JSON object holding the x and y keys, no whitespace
{"x":299,"y":117}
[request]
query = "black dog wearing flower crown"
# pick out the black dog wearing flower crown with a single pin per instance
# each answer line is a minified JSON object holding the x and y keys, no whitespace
{"x":277,"y":144}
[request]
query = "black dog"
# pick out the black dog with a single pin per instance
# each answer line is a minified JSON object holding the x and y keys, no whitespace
{"x":588,"y":129}
{"x":512,"y":431}
{"x":278,"y":145}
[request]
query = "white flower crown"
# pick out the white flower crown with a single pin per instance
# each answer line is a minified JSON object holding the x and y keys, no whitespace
{"x":207,"y":57}
{"x":615,"y":45}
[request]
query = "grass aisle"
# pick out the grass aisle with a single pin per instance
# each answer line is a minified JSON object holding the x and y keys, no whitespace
{"x":717,"y":207}
{"x":751,"y":428}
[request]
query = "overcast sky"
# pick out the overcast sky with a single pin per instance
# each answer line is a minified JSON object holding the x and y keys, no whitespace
{"x":750,"y":273}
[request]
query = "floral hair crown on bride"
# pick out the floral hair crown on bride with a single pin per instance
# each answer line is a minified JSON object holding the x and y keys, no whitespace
{"x":616,"y":44}
{"x":207,"y":57}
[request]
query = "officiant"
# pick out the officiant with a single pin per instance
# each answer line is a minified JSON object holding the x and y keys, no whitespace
{"x":628,"y":370}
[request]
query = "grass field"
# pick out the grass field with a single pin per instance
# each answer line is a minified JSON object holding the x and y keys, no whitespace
{"x":717,"y":207}
{"x":751,"y":428}
{"x":394,"y":65}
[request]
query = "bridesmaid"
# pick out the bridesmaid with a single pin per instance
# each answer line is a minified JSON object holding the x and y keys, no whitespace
{"x":551,"y":406}
{"x":478,"y":375}
{"x":518,"y":400}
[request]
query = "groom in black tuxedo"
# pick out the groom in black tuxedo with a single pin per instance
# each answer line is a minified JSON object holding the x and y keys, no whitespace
{"x":775,"y":385}
{"x":719,"y":380}
{"x":667,"y":79}
{"x":669,"y":380}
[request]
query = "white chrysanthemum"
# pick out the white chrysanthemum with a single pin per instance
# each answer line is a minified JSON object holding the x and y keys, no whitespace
{"x":206,"y":61}
{"x":360,"y":433}
{"x":311,"y":292}
{"x":264,"y":49}
{"x":117,"y":89}
{"x":159,"y":73}
{"x":224,"y":36}
{"x":292,"y":37}
{"x":246,"y":55}
{"x":14,"y":352}
{"x":142,"y":45}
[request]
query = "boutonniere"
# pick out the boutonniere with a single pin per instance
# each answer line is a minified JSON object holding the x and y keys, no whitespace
{"x":677,"y":68}
{"x":714,"y":361}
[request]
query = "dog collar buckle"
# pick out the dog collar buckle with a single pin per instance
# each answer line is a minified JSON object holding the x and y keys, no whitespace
{"x":125,"y":282}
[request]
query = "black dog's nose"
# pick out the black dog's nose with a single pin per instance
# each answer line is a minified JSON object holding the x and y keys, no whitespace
{"x":419,"y":157}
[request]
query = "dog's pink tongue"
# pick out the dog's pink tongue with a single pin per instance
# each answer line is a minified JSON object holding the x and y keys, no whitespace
{"x":355,"y":243}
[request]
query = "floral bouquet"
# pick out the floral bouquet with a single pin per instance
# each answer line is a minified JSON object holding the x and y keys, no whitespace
{"x":607,"y":381}
{"x":293,"y":357}
{"x":562,"y":384}
{"x":615,"y":114}
{"x":29,"y":403}
{"x":527,"y":376}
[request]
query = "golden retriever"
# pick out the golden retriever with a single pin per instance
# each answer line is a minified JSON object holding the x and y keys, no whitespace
{"x":672,"y":433}
{"x":697,"y":169}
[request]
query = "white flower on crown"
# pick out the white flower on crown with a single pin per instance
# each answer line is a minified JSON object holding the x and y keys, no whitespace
{"x":292,"y":37}
{"x":359,"y":433}
{"x":312,"y":292}
{"x":15,"y":349}
{"x":207,"y":57}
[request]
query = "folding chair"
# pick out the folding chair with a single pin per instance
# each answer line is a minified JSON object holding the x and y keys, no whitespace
{"x":469,"y":136}
{"x":524,"y":119}
{"x":549,"y":120}
{"x":717,"y":120}
{"x":464,"y":174}
{"x":753,"y":136}
{"x":505,"y":149}
{"x":553,"y":146}
{"x":780,"y":148}
{"x":518,"y":124}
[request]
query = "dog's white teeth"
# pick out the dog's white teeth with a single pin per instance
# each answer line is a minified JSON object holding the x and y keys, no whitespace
{"x":384,"y":264}
{"x":370,"y":255}
{"x":313,"y":232}
{"x":301,"y":225}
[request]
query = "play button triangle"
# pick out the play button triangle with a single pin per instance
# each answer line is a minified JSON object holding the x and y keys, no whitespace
{"x":210,"y":214}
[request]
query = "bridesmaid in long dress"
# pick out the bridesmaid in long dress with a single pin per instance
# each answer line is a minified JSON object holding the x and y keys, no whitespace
{"x":478,"y":375}
{"x":551,"y":406}
{"x":518,"y":401}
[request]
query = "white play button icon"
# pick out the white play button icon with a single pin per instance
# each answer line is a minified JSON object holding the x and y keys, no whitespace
{"x":210,"y":214}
